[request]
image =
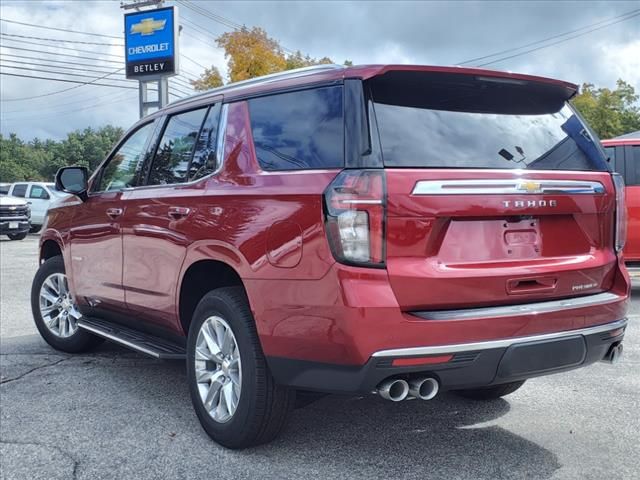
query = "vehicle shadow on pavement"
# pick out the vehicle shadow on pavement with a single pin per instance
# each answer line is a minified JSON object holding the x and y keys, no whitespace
{"x":119,"y":412}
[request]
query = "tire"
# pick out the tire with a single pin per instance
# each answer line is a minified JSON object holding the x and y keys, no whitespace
{"x":17,"y":236}
{"x":63,"y":334}
{"x":35,"y":228}
{"x":490,"y":393}
{"x":261,"y":406}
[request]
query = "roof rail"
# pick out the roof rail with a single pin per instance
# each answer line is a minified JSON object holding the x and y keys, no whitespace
{"x":297,"y":72}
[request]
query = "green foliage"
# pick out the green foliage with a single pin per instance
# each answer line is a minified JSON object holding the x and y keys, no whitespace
{"x":609,"y":112}
{"x":40,"y":160}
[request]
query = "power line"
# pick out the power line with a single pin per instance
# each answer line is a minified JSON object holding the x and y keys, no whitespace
{"x":62,"y":67}
{"x":537,"y":42}
{"x":61,"y":54}
{"x":57,"y":80}
{"x":59,"y":29}
{"x":114,"y":99}
{"x":218,"y":18}
{"x":40,"y":44}
{"x":193,"y":61}
{"x":559,"y":41}
{"x":25,"y":57}
{"x":59,"y":91}
{"x":61,"y":40}
{"x":40,"y":70}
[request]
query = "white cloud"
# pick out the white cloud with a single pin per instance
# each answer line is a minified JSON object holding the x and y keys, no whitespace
{"x":365,"y":32}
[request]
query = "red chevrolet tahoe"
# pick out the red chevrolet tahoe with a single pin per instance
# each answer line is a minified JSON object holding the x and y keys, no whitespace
{"x":399,"y":230}
{"x":624,"y":155}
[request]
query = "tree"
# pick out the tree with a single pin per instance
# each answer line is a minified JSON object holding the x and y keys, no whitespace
{"x":609,"y":112}
{"x":40,"y":159}
{"x":252,"y":53}
{"x":209,"y":79}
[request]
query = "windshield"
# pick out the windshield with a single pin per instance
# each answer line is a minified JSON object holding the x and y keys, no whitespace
{"x":478,"y":126}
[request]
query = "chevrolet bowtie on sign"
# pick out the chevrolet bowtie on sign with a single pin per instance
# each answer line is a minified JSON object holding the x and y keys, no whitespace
{"x":151,"y":43}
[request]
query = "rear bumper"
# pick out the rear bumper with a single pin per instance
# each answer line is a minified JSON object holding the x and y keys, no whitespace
{"x":467,"y":365}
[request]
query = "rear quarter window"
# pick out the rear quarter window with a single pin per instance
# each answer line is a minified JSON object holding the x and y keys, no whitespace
{"x":299,"y":130}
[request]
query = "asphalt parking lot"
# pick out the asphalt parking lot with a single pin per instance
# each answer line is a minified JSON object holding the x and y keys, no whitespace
{"x":117,"y":414}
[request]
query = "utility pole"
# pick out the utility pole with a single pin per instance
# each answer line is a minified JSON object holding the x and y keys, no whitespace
{"x":161,"y":79}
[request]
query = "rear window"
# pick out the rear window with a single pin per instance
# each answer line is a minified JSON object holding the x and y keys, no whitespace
{"x":299,"y":130}
{"x":463,"y":121}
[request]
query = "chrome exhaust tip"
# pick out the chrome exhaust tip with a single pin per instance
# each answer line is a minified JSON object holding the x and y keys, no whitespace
{"x":424,"y":388}
{"x":614,"y":354}
{"x":394,"y":389}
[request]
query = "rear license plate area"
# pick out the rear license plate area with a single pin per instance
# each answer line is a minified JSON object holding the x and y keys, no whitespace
{"x":536,"y":358}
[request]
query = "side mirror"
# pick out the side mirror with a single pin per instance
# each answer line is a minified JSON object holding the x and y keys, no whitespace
{"x":73,"y":180}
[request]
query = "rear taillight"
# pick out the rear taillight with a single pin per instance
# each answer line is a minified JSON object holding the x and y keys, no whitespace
{"x":355,"y":205}
{"x":621,"y":212}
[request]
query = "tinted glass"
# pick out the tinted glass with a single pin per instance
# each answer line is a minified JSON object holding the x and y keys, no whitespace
{"x":4,"y":189}
{"x":418,"y":137}
{"x":464,"y":121}
{"x":38,"y":192}
{"x":633,"y":153}
{"x":171,"y":162}
{"x":125,"y":165}
{"x":611,"y":153}
{"x":299,"y":130}
{"x":19,"y":190}
{"x":204,"y":161}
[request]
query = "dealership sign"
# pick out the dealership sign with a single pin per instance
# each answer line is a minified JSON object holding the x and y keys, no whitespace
{"x":151,"y":43}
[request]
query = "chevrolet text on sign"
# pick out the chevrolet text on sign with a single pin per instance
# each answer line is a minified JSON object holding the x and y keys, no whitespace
{"x":151,"y":43}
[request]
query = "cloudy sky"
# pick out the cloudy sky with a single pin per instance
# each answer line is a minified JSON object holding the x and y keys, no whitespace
{"x":364,"y":32}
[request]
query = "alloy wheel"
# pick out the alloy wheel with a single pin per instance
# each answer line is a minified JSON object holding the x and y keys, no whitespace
{"x":57,"y":307}
{"x":218,"y":369}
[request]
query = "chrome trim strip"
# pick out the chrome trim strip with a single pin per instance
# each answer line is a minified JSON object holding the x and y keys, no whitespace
{"x":523,"y":309}
{"x":507,"y":342}
{"x":507,"y":187}
{"x":119,"y":340}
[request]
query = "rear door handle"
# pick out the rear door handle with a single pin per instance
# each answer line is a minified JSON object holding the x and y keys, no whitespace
{"x":178,"y":212}
{"x":114,"y":212}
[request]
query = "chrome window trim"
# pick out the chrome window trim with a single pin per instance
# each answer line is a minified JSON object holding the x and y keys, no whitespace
{"x":501,"y":186}
{"x":522,"y":309}
{"x":491,"y":344}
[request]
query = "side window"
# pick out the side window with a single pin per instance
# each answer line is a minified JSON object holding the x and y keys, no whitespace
{"x":171,"y":162}
{"x":4,"y":189}
{"x":19,"y":190}
{"x":38,"y":192}
{"x":611,"y":153}
{"x":299,"y":130}
{"x":122,"y":169}
{"x":633,"y":154}
{"x":204,"y":160}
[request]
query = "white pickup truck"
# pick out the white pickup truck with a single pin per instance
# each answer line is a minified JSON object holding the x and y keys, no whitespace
{"x":15,"y":217}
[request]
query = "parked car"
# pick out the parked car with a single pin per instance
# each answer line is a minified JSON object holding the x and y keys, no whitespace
{"x":624,"y":155}
{"x":402,"y":230}
{"x":40,"y":196}
{"x":14,"y":217}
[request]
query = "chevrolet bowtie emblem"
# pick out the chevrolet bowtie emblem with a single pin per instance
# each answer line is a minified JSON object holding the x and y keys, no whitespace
{"x":148,"y":26}
{"x":529,"y":187}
